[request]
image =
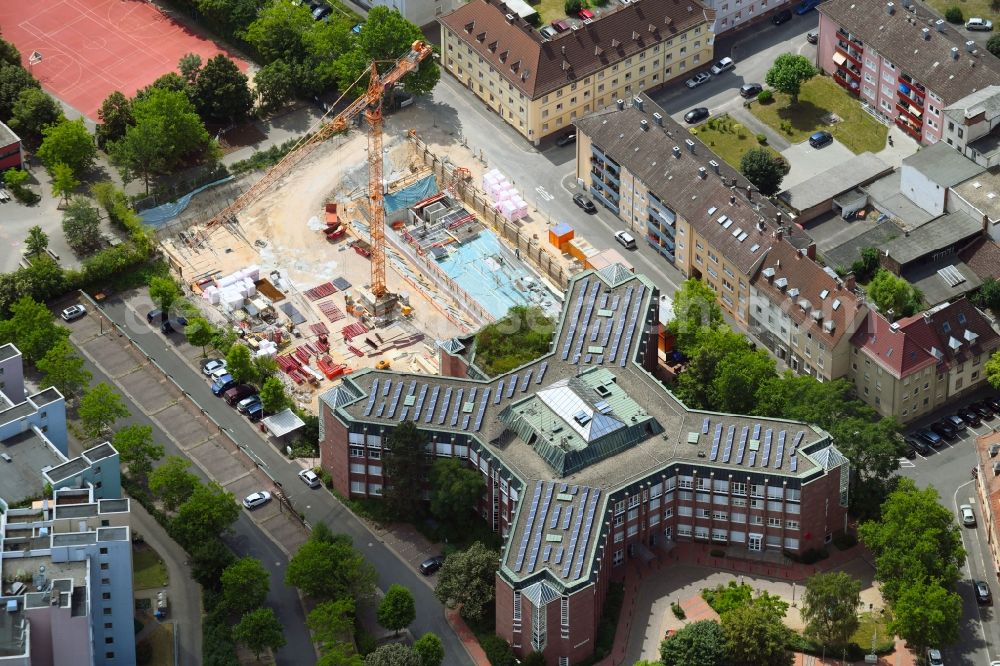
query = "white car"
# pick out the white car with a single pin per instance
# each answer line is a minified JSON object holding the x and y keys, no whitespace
{"x":977,"y":23}
{"x":218,"y":373}
{"x":213,"y":365}
{"x":968,"y":517}
{"x":723,"y":65}
{"x":934,"y":657}
{"x":697,"y":79}
{"x":309,"y":478}
{"x":257,"y":499}
{"x":626,"y":239}
{"x":73,"y":312}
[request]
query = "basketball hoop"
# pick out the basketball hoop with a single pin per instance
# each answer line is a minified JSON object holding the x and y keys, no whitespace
{"x":34,"y":59}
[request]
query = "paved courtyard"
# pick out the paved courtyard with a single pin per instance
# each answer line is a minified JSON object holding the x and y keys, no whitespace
{"x":806,"y":161}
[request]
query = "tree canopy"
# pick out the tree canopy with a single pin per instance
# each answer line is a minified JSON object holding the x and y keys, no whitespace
{"x":33,"y":111}
{"x":239,"y":363}
{"x":63,"y":369}
{"x":199,"y":332}
{"x":205,"y":515}
{"x":36,"y":242}
{"x":697,"y":385}
{"x":520,"y":337}
{"x":788,"y":73}
{"x":764,"y":169}
{"x":430,"y":650}
{"x":171,"y":482}
{"x":695,"y":308}
{"x":696,"y":644}
{"x":115,"y":115}
{"x":393,"y":654}
{"x":13,"y":80}
{"x":68,"y":142}
{"x":830,"y":607}
{"x":891,"y":292}
{"x":272,"y":395}
{"x":137,"y":449}
{"x":32,"y":329}
{"x":405,"y":465}
{"x":332,"y":627}
{"x":455,"y":491}
{"x":756,"y":636}
{"x":99,"y":408}
{"x":245,"y":584}
{"x":330,"y":568}
{"x":82,"y":226}
{"x":396,"y":610}
{"x":988,"y":295}
{"x":468,"y":578}
{"x":927,"y":614}
{"x":259,"y":630}
{"x":220,"y":92}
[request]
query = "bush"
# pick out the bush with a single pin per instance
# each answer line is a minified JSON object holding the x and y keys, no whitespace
{"x":845,"y":541}
{"x":993,"y":46}
{"x":814,"y":555}
{"x":143,"y":652}
{"x":498,"y":651}
{"x":678,"y":611}
{"x":954,"y":15}
{"x":724,"y":598}
{"x":765,"y":97}
{"x":762,"y":139}
{"x":717,"y":552}
{"x":572,"y":7}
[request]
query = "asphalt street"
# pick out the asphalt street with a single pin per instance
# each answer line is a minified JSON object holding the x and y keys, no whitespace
{"x":317,"y":505}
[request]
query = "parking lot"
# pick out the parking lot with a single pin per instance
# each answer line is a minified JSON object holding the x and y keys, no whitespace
{"x":964,"y":438}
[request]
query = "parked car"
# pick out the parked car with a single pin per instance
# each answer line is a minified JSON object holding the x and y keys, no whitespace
{"x":309,"y":478}
{"x":431,"y":564}
{"x":210,"y":365}
{"x":237,"y":393}
{"x":994,"y":403}
{"x":626,"y":239}
{"x":812,"y":37}
{"x":697,"y":79}
{"x":930,"y":437}
{"x":696,"y":114}
{"x":968,"y":517}
{"x":321,"y":12}
{"x":548,"y":32}
{"x":976,"y":23}
{"x":566,"y":139}
{"x":561,"y":25}
{"x":222,"y":384}
{"x":171,"y":326}
{"x":219,"y":371}
{"x":585,"y":14}
{"x":154,"y":315}
{"x":73,"y":312}
{"x":934,"y":657}
{"x":750,"y":90}
{"x":945,"y":429}
{"x":246,"y":403}
{"x":583,"y":202}
{"x":967,"y":417}
{"x":908,"y":452}
{"x":254,"y":500}
{"x":983,"y":594}
{"x":784,"y":16}
{"x":723,"y":65}
{"x":958,"y":421}
{"x":255,"y":412}
{"x":918,"y":446}
{"x":983,"y":408}
{"x":806,"y":6}
{"x":820,"y":139}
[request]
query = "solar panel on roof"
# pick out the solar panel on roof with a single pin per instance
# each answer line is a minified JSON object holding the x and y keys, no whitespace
{"x":630,"y":331}
{"x":456,"y":408}
{"x":519,"y":561}
{"x":766,"y":454}
{"x":704,"y":425}
{"x":526,"y":381}
{"x":729,"y":444}
{"x":739,"y":451}
{"x":380,"y":410}
{"x":444,"y":405}
{"x":781,"y":450}
{"x":402,"y":414}
{"x":472,"y":395}
{"x":541,"y":372}
{"x":567,"y":516}
{"x":395,"y":400}
{"x":465,"y":422}
{"x":798,"y":439}
{"x":753,"y":459}
{"x":580,"y":508}
{"x":578,"y":567}
{"x":595,"y":330}
{"x":756,"y":431}
{"x":543,"y":509}
{"x":371,"y":397}
{"x":482,"y":410}
{"x":575,"y":318}
{"x":386,"y":387}
{"x":586,"y":359}
{"x":559,"y":554}
{"x":432,"y":405}
{"x":554,"y":518}
{"x":620,"y":323}
{"x":793,"y":463}
{"x":499,"y":393}
{"x":715,"y":442}
{"x":512,"y":385}
{"x":420,"y":402}
{"x":546,"y":552}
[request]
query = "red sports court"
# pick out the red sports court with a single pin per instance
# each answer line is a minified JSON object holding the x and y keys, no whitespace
{"x":90,"y":48}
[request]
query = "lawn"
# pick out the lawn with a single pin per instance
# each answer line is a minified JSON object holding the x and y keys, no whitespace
{"x":148,"y":570}
{"x":728,"y":139}
{"x":819,"y":96}
{"x":970,"y":8}
{"x":872,"y":624}
{"x":553,"y":10}
{"x":161,"y":640}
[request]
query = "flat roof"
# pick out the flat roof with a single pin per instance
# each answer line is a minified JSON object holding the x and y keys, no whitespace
{"x":29,"y":454}
{"x":859,"y":170}
{"x":942,"y":164}
{"x":18,"y":411}
{"x":8,"y":350}
{"x":939,"y":282}
{"x":887,"y":196}
{"x":938,"y":234}
{"x":283,"y":422}
{"x":45,"y":396}
{"x":983,"y":190}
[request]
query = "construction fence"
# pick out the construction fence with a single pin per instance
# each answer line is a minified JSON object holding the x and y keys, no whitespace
{"x":528,"y":247}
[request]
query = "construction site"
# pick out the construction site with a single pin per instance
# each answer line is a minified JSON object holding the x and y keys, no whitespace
{"x":306,"y":274}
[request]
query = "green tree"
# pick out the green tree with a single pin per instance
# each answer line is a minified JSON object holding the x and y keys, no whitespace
{"x":99,"y":408}
{"x":788,"y":73}
{"x":272,"y":395}
{"x":141,"y":153}
{"x":224,"y":339}
{"x":115,"y":115}
{"x":737,"y":379}
{"x":803,"y":398}
{"x":273,"y":84}
{"x":874,"y":449}
{"x":523,"y":335}
{"x":988,"y":295}
{"x":171,"y":82}
{"x":171,"y":482}
{"x":695,"y":386}
{"x":37,"y":241}
{"x":13,"y":80}
{"x":34,"y":110}
{"x":455,"y":491}
{"x":925,"y":613}
{"x":387,"y":36}
{"x":892,"y":293}
{"x":993,"y":46}
{"x":264,"y":367}
{"x":430,"y":650}
{"x":63,"y":181}
{"x":239,"y":363}
{"x":396,"y":610}
{"x":137,"y":449}
{"x":245,"y":583}
{"x":830,"y":607}
{"x":189,"y":66}
{"x":330,"y":568}
{"x":63,"y":369}
{"x":205,"y":515}
{"x":406,"y":465}
{"x":572,"y":7}
{"x":68,"y":142}
{"x":260,"y":630}
{"x":199,"y":333}
{"x":915,"y":539}
{"x":15,"y":178}
{"x":954,"y":15}
{"x":232,"y":15}
{"x":82,"y":226}
{"x":9,"y":55}
{"x":220,"y":93}
{"x":208,"y":560}
{"x":277,"y":32}
{"x":468,"y":578}
{"x":393,"y":654}
{"x":756,"y":636}
{"x":865,"y":267}
{"x":695,"y":308}
{"x":697,"y":644}
{"x":992,"y":370}
{"x":31,"y":328}
{"x":535,"y":658}
{"x":761,"y":169}
{"x":332,"y":625}
{"x":42,"y":279}
{"x":164,"y":292}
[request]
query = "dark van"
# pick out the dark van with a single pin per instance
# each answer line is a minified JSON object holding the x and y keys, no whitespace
{"x":237,"y":393}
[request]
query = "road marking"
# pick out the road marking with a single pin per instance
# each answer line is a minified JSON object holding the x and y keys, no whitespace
{"x":543,"y":193}
{"x":904,"y":462}
{"x":982,"y":563}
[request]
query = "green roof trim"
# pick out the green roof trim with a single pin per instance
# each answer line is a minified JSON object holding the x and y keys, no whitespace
{"x":595,"y":349}
{"x":692,"y":438}
{"x":605,"y":313}
{"x":554,"y":538}
{"x":564,"y":497}
{"x":754,"y":444}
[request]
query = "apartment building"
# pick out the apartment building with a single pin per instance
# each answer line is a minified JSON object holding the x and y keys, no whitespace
{"x":905,"y":64}
{"x":988,"y":485}
{"x":697,"y":212}
{"x":540,"y":86}
{"x":11,"y":153}
{"x":589,"y":462}
{"x":916,"y":365}
{"x":804,"y":313}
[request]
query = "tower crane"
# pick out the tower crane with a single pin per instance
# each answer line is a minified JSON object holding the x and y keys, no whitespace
{"x":371,"y":103}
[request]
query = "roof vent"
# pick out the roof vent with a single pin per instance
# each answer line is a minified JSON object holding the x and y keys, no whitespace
{"x":509,"y":17}
{"x":714,"y":165}
{"x":620,"y":103}
{"x":690,"y":144}
{"x":954,"y":53}
{"x":637,"y":102}
{"x":644,"y":124}
{"x":970,"y":46}
{"x":768,"y":273}
{"x":702,"y":172}
{"x":996,"y":468}
{"x":927,"y":33}
{"x":781,"y":283}
{"x":793,"y":292}
{"x":994,"y":449}
{"x":890,"y":8}
{"x":658,"y":119}
{"x":940,"y":23}
{"x":817,"y":315}
{"x":677,"y":152}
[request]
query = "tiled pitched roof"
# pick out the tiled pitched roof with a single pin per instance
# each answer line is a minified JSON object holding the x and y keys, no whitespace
{"x":700,"y":197}
{"x":7,"y":136}
{"x":983,"y":257}
{"x":948,"y":334}
{"x":537,"y":66}
{"x":801,"y":288}
{"x":900,"y":38}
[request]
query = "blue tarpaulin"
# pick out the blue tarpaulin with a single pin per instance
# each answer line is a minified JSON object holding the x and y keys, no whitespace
{"x":406,"y":197}
{"x":162,"y":214}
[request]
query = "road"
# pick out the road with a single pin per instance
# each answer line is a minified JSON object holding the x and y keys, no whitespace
{"x":318,"y":506}
{"x":947,"y":469}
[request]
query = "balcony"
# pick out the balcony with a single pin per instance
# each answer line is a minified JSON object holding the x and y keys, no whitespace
{"x":910,"y":83}
{"x":607,"y":191}
{"x":909,"y":97}
{"x":910,"y":112}
{"x":604,"y":162}
{"x":848,"y":83}
{"x":913,"y":130}
{"x":659,"y":216}
{"x":848,"y":52}
{"x":665,"y":235}
{"x":603,"y":200}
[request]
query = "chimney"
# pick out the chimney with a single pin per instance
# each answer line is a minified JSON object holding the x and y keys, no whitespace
{"x":690,"y":144}
{"x":510,"y":18}
{"x":850,"y":284}
{"x":940,"y":23}
{"x":777,"y":219}
{"x":702,"y":173}
{"x":732,"y":199}
{"x":637,"y":102}
{"x":777,"y":263}
{"x":563,"y":49}
{"x":811,"y":251}
{"x":715,"y":166}
{"x":954,"y":53}
{"x":927,"y":33}
{"x":970,"y":46}
{"x":644,"y":124}
{"x":927,"y":318}
{"x":890,"y":8}
{"x":749,"y":192}
{"x":620,"y":104}
{"x":658,"y":119}
{"x":760,"y":225}
{"x":677,"y":152}
{"x":777,"y":235}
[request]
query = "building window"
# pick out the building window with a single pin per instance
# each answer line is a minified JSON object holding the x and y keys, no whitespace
{"x":619,"y":520}
{"x":539,"y":630}
{"x":739,"y":488}
{"x":517,"y":606}
{"x":103,"y":551}
{"x":618,"y":558}
{"x":357,"y":452}
{"x":774,"y":522}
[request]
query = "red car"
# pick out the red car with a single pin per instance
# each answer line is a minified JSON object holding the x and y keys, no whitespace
{"x":585,"y":14}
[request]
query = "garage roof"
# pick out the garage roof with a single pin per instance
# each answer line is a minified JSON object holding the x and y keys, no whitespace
{"x":859,"y":170}
{"x":283,"y":423}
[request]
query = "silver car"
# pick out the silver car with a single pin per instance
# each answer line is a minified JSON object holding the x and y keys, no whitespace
{"x":698,"y":79}
{"x":256,"y":499}
{"x":968,"y":517}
